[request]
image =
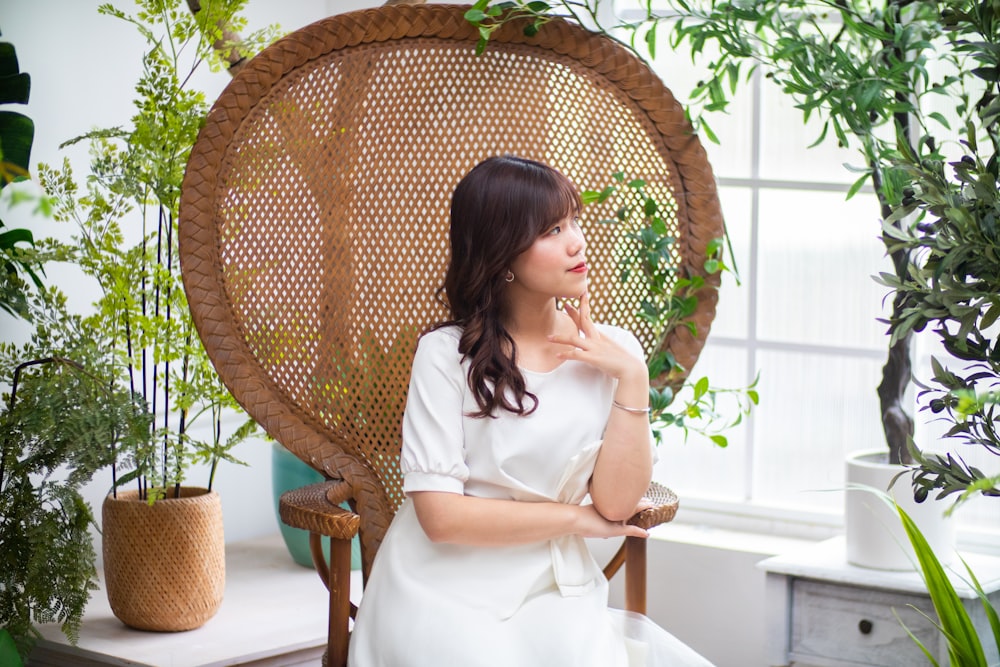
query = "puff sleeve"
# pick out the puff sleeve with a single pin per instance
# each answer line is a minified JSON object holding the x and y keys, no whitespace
{"x":433,"y":452}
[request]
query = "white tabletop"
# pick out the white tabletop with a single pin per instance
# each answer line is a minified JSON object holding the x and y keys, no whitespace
{"x":827,"y":561}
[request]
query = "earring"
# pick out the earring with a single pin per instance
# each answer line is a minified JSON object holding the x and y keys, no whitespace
{"x":509,"y":277}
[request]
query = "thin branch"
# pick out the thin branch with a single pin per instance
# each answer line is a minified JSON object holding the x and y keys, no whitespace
{"x":228,"y":45}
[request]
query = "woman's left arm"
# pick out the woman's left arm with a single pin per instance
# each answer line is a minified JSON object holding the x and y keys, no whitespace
{"x":624,"y":465}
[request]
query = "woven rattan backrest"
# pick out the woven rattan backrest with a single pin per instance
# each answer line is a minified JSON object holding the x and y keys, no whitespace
{"x":314,"y":211}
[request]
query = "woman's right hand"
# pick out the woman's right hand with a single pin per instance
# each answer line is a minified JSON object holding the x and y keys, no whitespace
{"x":590,"y":523}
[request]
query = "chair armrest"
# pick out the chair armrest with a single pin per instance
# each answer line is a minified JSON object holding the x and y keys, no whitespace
{"x":316,"y":508}
{"x":664,"y":507}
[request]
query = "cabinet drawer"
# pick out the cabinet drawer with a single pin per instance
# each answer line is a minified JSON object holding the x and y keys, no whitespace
{"x":836,"y":624}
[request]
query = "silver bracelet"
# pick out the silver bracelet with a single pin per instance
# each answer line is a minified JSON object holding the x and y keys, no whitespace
{"x":635,"y":411}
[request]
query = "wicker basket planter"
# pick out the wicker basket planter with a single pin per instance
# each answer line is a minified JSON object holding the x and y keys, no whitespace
{"x":164,"y":564}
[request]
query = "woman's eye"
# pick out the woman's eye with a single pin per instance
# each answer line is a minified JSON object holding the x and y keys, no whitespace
{"x":555,"y":230}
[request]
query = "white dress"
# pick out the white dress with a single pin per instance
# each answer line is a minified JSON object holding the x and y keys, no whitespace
{"x":542,"y":604}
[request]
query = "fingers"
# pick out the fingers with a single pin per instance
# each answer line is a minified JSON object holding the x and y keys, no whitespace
{"x":581,"y":315}
{"x":574,"y":342}
{"x":582,"y":325}
{"x":585,"y":307}
{"x":636,"y":531}
{"x":573,"y":313}
{"x":597,"y":526}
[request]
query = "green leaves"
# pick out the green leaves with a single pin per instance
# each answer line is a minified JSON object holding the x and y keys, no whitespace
{"x":62,"y":422}
{"x":827,"y":57}
{"x":651,"y":257}
{"x":951,"y":284}
{"x":964,"y":646}
{"x":701,"y":410}
{"x":953,"y":619}
{"x":15,"y":85}
{"x":16,"y":130}
{"x":8,"y":650}
{"x":487,"y":18}
{"x":134,"y":179}
{"x":19,"y":267}
{"x":669,"y":301}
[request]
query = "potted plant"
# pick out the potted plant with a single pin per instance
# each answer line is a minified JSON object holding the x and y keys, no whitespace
{"x":945,"y":224}
{"x":863,"y":68}
{"x":61,"y":422}
{"x":949,"y":214}
{"x":125,"y":220}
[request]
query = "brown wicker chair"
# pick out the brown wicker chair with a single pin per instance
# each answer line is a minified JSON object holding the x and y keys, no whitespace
{"x":314,"y":222}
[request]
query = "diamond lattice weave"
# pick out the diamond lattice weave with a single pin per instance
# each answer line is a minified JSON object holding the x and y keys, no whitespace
{"x":314,"y":214}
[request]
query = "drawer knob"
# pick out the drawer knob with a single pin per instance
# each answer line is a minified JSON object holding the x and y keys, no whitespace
{"x":865,"y":626}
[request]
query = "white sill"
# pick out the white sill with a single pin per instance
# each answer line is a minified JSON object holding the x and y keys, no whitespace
{"x":803,"y":526}
{"x":726,"y":539}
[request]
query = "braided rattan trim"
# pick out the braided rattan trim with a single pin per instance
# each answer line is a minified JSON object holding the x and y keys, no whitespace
{"x":316,"y":508}
{"x":664,"y":511}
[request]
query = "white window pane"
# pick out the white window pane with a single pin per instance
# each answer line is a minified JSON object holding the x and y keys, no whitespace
{"x":698,"y":467}
{"x":785,"y":140}
{"x":946,"y":105}
{"x":814,"y":410}
{"x":818,"y":254}
{"x":732,"y":313}
{"x":732,"y":156}
{"x":980,"y":512}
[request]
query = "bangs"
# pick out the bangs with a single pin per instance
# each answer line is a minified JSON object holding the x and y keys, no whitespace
{"x":557,"y":199}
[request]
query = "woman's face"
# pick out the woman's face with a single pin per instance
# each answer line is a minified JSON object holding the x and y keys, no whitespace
{"x":554,"y":265}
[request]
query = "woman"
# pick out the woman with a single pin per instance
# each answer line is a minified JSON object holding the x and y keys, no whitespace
{"x":517,"y":411}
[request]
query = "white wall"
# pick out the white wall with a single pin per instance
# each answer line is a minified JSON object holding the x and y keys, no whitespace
{"x":83,"y":66}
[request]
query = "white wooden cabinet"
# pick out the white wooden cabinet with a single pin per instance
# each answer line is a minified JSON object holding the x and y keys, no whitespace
{"x":823,"y":612}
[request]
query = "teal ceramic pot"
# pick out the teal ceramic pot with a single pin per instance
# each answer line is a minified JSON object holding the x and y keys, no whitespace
{"x":287,"y":473}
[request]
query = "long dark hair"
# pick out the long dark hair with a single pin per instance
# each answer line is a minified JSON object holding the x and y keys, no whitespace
{"x":497,"y":211}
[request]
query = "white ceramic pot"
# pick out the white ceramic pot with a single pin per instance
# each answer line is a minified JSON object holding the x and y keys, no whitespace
{"x":875,"y":535}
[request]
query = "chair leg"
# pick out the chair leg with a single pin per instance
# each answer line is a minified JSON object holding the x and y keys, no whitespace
{"x":635,"y":574}
{"x":340,"y":602}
